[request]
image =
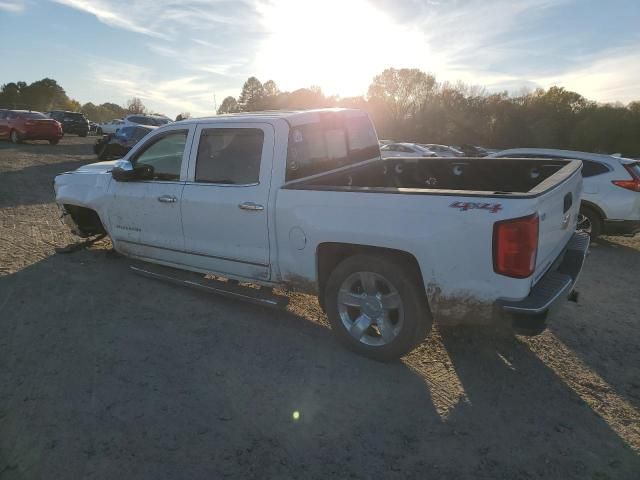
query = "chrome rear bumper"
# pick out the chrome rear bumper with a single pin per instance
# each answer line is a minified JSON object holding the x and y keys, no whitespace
{"x":557,"y":283}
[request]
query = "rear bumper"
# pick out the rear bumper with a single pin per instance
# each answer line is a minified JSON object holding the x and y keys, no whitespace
{"x":621,"y":227}
{"x":76,"y":129}
{"x":529,"y":314}
{"x":31,"y":135}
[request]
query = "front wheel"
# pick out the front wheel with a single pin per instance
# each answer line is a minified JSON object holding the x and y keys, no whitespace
{"x":377,"y":307}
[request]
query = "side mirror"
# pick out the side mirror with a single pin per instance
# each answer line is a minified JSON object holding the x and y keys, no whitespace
{"x":122,"y":175}
{"x":139,"y":172}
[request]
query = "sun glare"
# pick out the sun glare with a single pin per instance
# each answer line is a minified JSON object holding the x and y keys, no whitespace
{"x":338,"y":45}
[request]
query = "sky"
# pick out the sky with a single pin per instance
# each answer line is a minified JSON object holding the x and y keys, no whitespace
{"x":185,"y":55}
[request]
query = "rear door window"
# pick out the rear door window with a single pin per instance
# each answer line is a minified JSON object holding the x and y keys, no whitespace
{"x":229,"y":156}
{"x":336,"y":140}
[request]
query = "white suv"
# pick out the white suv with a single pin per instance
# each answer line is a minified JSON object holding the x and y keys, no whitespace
{"x":611,"y":197}
{"x":110,"y":127}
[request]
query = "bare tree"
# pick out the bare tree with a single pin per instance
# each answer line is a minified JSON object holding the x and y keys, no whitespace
{"x":135,"y":106}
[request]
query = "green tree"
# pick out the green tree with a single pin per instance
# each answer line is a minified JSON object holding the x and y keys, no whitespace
{"x":251,"y":96}
{"x":228,"y":105}
{"x":402,"y":92}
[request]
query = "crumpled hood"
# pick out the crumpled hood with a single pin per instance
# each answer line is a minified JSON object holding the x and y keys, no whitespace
{"x":102,"y":167}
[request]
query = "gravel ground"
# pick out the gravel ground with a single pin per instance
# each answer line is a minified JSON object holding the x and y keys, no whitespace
{"x":104,"y":374}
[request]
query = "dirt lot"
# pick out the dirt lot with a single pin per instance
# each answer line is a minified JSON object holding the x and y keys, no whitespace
{"x":104,"y":374}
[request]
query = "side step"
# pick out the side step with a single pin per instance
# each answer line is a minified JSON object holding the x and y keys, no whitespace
{"x":230,"y":289}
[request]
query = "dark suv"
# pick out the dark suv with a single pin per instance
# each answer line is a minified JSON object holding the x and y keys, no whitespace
{"x":72,"y":122}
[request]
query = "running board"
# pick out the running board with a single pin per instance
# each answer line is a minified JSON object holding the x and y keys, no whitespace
{"x":227,"y":289}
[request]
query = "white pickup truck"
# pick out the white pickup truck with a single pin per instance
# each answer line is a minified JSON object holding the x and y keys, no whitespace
{"x":304,"y":201}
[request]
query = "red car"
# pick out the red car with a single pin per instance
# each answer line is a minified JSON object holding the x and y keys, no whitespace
{"x":19,"y":125}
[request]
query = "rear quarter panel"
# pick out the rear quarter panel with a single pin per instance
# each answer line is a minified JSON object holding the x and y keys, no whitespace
{"x":452,"y":245}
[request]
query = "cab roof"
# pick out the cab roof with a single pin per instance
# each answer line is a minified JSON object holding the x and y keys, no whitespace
{"x":295,"y":117}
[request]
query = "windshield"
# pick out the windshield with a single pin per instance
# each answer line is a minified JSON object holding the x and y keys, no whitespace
{"x":336,"y":140}
{"x":150,"y":121}
{"x":74,"y":116}
{"x":421,"y":149}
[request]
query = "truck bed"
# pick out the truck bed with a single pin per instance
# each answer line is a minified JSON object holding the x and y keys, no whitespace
{"x":522,"y":177}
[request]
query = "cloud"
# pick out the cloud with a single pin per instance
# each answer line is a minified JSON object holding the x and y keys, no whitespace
{"x":120,"y":80}
{"x":164,"y":19}
{"x":609,"y":76}
{"x":13,"y":6}
{"x":196,"y":47}
{"x":109,"y":14}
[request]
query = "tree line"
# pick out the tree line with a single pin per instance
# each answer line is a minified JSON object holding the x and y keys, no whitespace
{"x":411,"y":105}
{"x":46,"y":94}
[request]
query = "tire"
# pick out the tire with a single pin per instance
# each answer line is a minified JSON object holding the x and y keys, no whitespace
{"x":15,"y":138}
{"x":361,"y":321}
{"x":589,"y":221}
{"x":99,"y":132}
{"x":54,"y":141}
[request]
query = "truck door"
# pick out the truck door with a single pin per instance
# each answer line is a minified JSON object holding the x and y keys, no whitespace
{"x":224,"y":201}
{"x":144,"y":216}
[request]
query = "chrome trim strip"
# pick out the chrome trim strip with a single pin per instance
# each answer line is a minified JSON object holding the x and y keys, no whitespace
{"x":195,"y":253}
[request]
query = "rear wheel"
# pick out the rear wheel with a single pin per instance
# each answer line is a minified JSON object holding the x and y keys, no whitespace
{"x":15,"y":138}
{"x":376,"y":306}
{"x":589,"y":221}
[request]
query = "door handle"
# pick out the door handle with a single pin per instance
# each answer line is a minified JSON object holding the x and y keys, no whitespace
{"x":167,"y":199}
{"x":250,"y":206}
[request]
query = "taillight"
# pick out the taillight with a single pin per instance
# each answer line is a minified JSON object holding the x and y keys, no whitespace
{"x":515,"y":246}
{"x":633,"y":184}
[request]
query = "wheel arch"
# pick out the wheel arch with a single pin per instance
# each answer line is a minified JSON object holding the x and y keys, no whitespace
{"x":84,"y":221}
{"x":594,"y":207}
{"x":330,"y":254}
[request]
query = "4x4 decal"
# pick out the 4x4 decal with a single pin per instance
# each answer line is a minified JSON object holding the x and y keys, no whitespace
{"x":464,"y":206}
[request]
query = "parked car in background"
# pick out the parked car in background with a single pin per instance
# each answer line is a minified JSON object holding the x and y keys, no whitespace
{"x":19,"y":125}
{"x":72,"y":122}
{"x":405,"y":150}
{"x":442,"y":150}
{"x":285,"y":200}
{"x":93,"y":127}
{"x":149,"y":120}
{"x":471,"y":150}
{"x":109,"y":127}
{"x":611,"y":197}
{"x":117,"y":145}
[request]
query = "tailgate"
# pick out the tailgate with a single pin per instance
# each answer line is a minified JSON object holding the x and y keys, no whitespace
{"x":558,"y":212}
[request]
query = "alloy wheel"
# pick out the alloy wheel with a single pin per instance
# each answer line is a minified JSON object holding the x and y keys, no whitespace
{"x":370,"y":308}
